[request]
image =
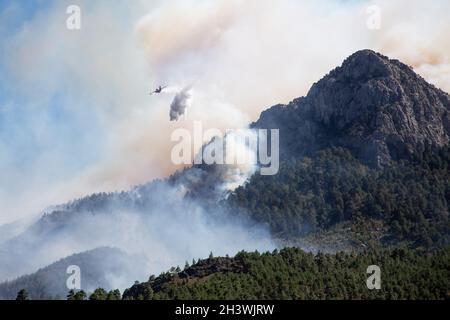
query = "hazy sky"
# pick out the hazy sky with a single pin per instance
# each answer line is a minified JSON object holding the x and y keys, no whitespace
{"x":75,"y":115}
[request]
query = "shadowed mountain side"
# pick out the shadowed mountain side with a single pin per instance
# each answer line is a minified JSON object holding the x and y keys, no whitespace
{"x":98,"y":268}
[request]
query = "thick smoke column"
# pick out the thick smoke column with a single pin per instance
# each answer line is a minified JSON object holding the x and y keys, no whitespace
{"x":181,"y":103}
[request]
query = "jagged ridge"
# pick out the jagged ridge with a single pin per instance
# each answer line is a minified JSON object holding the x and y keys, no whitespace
{"x":377,"y":107}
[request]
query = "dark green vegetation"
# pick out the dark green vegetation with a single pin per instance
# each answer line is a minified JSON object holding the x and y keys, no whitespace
{"x":98,"y":294}
{"x":294,"y":274}
{"x":22,"y":295}
{"x":76,"y":295}
{"x":407,"y":201}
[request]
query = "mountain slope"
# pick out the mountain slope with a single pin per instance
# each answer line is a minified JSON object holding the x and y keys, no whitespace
{"x":365,"y":154}
{"x":364,"y":158}
{"x":407,"y":201}
{"x":377,"y":107}
{"x":369,"y":146}
{"x":99,"y":268}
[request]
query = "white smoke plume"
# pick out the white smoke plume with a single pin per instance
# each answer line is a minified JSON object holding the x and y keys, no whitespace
{"x":239,"y":157}
{"x":155,"y":222}
{"x":180,"y":104}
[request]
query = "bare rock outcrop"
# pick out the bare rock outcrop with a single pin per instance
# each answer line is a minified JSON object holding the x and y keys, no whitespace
{"x":377,"y":107}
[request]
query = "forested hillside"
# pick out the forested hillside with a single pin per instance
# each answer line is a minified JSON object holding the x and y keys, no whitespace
{"x":294,"y":274}
{"x":407,"y":201}
{"x":367,"y":146}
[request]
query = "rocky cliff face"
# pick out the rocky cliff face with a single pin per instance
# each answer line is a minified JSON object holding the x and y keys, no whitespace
{"x":377,"y":107}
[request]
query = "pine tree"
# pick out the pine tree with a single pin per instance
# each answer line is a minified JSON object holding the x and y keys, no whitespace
{"x":80,"y":295}
{"x":22,"y":295}
{"x":98,"y":294}
{"x":114,"y":295}
{"x":71,"y":295}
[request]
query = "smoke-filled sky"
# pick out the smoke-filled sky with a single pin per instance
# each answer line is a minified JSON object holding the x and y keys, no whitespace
{"x":75,"y":114}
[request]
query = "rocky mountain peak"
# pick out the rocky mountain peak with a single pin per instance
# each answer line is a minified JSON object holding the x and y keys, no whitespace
{"x":362,"y":66}
{"x":376,"y":106}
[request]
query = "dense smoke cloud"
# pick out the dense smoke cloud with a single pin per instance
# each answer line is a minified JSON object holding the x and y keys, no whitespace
{"x":155,"y":223}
